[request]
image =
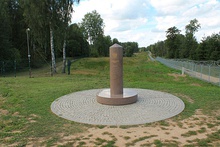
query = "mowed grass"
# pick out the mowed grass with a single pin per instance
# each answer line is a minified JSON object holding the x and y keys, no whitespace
{"x":25,"y":114}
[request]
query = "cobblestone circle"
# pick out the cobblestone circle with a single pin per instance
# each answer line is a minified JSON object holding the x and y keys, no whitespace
{"x":151,"y":106}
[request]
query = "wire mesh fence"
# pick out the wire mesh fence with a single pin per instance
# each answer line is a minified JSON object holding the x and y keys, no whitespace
{"x":9,"y":68}
{"x":205,"y":70}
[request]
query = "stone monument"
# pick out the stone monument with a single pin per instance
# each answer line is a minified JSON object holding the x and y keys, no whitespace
{"x":152,"y":105}
{"x":116,"y":95}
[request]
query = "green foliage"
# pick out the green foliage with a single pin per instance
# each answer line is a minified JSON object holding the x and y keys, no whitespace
{"x":186,"y":46}
{"x":158,"y":143}
{"x":190,"y":42}
{"x":129,"y":48}
{"x":172,"y":32}
{"x":190,"y":47}
{"x":10,"y":27}
{"x":115,"y":40}
{"x":164,"y":123}
{"x":192,"y":27}
{"x":213,"y":137}
{"x":5,"y":31}
{"x":158,"y":49}
{"x":139,"y":139}
{"x":172,"y":42}
{"x":209,"y":48}
{"x":102,"y":44}
{"x":202,"y":130}
{"x":93,"y":26}
{"x":189,"y":133}
{"x":48,"y":22}
{"x":77,"y":44}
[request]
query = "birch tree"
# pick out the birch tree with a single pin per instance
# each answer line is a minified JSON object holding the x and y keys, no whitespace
{"x":67,"y":9}
{"x":93,"y":26}
{"x":190,"y":42}
{"x":46,"y":17}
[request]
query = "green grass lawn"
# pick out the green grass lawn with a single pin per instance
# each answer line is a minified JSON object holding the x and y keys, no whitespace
{"x":25,"y":102}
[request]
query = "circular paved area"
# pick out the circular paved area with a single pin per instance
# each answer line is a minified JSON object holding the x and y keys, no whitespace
{"x":151,"y":106}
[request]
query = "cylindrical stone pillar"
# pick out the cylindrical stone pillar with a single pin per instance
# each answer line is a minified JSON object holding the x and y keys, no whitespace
{"x":116,"y":70}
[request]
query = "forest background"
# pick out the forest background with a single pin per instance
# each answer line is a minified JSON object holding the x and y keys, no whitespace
{"x":42,"y":32}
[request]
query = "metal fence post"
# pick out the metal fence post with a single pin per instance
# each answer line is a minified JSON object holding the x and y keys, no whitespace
{"x":210,"y":68}
{"x":209,"y":72}
{"x":218,"y":65}
{"x":201,"y":71}
{"x":15,"y":67}
{"x":3,"y":66}
{"x":182,"y":70}
{"x":195,"y":69}
{"x":219,"y":78}
{"x":219,"y":75}
{"x":1,"y":70}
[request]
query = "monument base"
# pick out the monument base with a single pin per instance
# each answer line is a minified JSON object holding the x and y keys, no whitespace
{"x":128,"y":97}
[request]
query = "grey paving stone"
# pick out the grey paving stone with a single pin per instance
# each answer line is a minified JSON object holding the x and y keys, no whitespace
{"x":151,"y":106}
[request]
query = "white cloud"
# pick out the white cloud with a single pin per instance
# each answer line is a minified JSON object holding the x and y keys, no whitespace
{"x":179,"y":13}
{"x":122,"y":17}
{"x":145,"y":21}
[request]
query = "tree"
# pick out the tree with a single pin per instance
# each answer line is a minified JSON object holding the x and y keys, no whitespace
{"x":12,"y":31}
{"x":102,"y":45}
{"x":77,"y":45}
{"x":186,"y":46}
{"x":214,"y":47}
{"x":209,"y":48}
{"x":5,"y":31}
{"x":172,"y":42}
{"x":143,"y":49}
{"x":115,"y":40}
{"x":181,"y":45}
{"x":46,"y":18}
{"x":190,"y":42}
{"x":160,"y":48}
{"x":172,"y":32}
{"x":201,"y":51}
{"x":66,"y":17}
{"x":192,"y":27}
{"x":93,"y":26}
{"x":40,"y":16}
{"x":129,"y":48}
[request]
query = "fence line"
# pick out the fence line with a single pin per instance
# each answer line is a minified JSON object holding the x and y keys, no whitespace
{"x":12,"y":67}
{"x":205,"y":70}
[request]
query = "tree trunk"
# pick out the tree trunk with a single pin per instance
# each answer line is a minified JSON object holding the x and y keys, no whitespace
{"x":64,"y":57}
{"x":53,"y":65}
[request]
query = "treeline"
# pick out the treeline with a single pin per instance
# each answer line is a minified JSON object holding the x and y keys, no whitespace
{"x":44,"y":26}
{"x":182,"y":46}
{"x":91,"y":32}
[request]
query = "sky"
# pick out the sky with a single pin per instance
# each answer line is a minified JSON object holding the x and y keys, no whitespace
{"x":146,"y":21}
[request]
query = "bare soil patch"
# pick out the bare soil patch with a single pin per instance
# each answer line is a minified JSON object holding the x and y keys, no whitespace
{"x":169,"y":132}
{"x":196,"y":84}
{"x":3,"y":112}
{"x":176,"y":76}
